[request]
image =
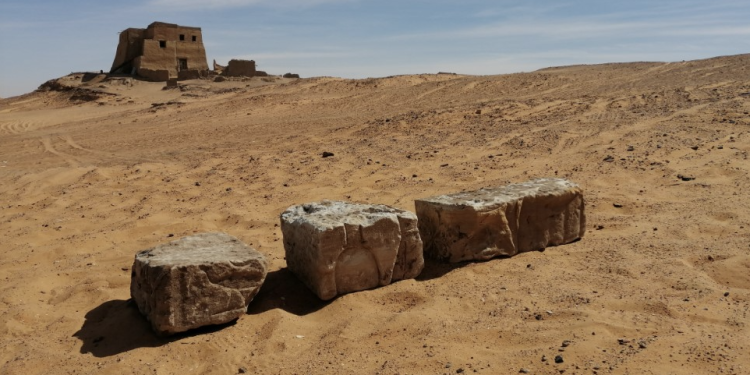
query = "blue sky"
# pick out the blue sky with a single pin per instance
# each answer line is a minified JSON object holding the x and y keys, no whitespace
{"x":44,"y":39}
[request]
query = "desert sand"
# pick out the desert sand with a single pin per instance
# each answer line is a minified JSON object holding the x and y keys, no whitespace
{"x":659,"y":284}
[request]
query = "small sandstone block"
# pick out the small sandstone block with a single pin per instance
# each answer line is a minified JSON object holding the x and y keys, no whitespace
{"x":503,"y":221}
{"x":340,"y":247}
{"x":195,"y":281}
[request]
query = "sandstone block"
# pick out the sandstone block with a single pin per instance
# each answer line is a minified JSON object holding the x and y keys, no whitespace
{"x":199,"y":280}
{"x":503,"y":221}
{"x":340,"y":247}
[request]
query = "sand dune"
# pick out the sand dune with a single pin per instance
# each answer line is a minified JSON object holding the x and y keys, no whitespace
{"x":660,"y":284}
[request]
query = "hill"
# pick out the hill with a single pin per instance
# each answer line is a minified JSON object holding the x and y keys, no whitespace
{"x":96,"y":168}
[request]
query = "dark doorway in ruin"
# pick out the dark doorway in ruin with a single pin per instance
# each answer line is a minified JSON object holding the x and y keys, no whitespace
{"x":162,"y":44}
{"x":182,"y":64}
{"x":195,"y":38}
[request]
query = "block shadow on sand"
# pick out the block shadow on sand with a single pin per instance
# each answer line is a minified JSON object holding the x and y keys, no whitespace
{"x":282,"y":290}
{"x":117,"y":326}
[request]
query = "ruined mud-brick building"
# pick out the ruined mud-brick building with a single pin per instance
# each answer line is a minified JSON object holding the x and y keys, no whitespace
{"x":241,"y":68}
{"x":160,"y":52}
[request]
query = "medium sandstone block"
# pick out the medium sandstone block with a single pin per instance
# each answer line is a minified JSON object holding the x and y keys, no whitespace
{"x":340,"y":247}
{"x":196,"y":281}
{"x":486,"y":223}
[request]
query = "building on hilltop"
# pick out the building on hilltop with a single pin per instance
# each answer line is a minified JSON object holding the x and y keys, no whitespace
{"x":160,"y":52}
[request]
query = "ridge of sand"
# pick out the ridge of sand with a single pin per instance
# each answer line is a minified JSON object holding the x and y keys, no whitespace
{"x":86,"y":183}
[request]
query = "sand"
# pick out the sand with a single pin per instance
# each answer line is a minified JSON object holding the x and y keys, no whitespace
{"x":660,"y":283}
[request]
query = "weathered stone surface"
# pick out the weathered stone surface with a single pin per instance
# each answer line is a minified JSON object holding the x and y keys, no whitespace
{"x":340,"y":247}
{"x":196,"y":281}
{"x":486,"y":223}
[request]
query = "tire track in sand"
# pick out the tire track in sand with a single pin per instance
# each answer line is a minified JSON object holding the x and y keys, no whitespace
{"x":71,"y":160}
{"x":14,"y":127}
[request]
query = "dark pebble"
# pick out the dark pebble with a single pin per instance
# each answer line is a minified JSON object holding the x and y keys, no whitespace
{"x":559,"y":359}
{"x":327,"y":154}
{"x":170,"y":235}
{"x":617,"y":205}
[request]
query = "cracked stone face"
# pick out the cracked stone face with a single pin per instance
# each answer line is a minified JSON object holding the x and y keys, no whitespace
{"x":503,"y":221}
{"x":341,"y":247}
{"x":196,"y":281}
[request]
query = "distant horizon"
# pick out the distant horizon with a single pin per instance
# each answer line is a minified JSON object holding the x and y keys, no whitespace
{"x":357,"y":39}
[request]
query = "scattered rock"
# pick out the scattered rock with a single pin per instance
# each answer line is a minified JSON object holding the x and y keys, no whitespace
{"x":623,"y":341}
{"x":341,"y":247}
{"x":694,"y":147}
{"x":524,"y":371}
{"x":617,"y":205}
{"x":566,"y":343}
{"x":631,"y":148}
{"x":327,"y":154}
{"x":196,"y":281}
{"x":559,"y":359}
{"x":482,"y":224}
{"x":642,"y":344}
{"x":609,"y":158}
{"x":242,"y":370}
{"x":685,"y":178}
{"x":599,"y":227}
{"x":726,"y":294}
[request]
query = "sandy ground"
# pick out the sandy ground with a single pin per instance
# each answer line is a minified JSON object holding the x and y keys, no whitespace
{"x":660,"y":284}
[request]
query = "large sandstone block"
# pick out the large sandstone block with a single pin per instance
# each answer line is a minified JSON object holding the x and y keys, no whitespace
{"x":340,"y":247}
{"x":196,"y":281}
{"x":486,"y":223}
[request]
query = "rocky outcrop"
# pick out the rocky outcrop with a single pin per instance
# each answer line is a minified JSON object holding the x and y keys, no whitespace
{"x":196,"y":281}
{"x":340,"y":247}
{"x":503,"y":221}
